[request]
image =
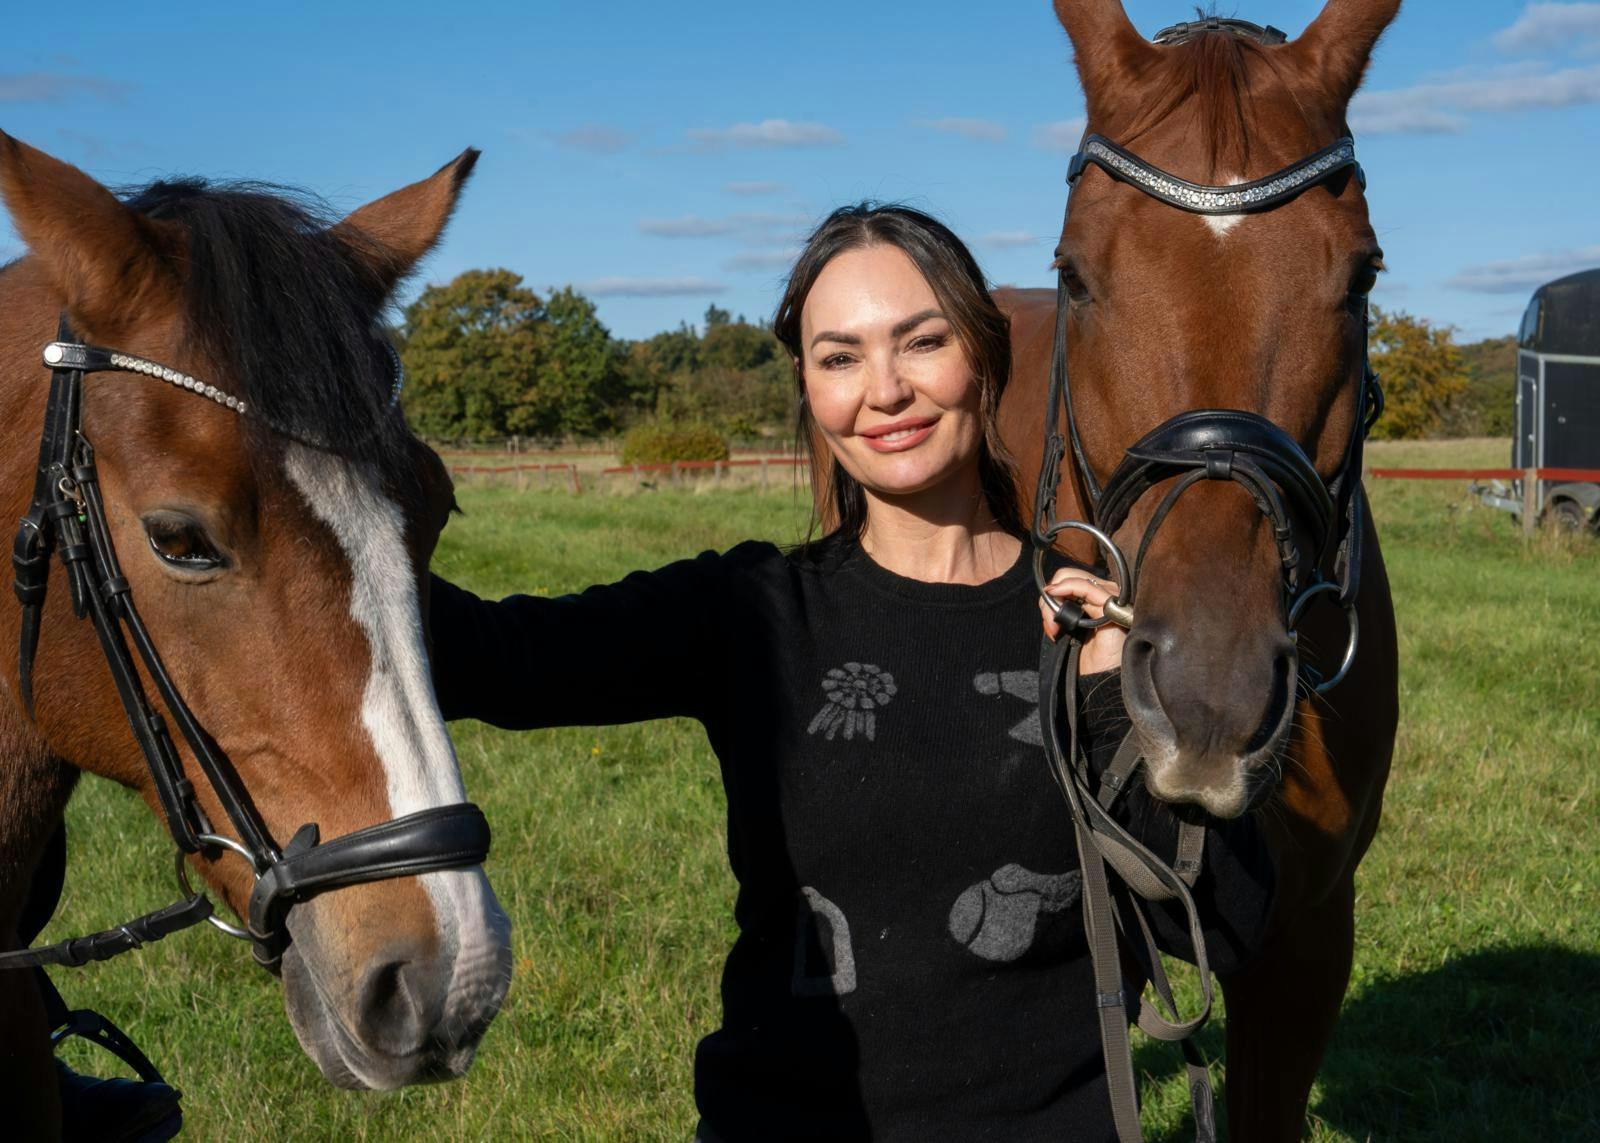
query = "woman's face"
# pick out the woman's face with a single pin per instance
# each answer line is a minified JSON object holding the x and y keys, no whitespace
{"x":888,"y":382}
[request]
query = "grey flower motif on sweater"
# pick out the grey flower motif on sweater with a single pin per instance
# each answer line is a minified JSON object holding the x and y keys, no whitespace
{"x":855,"y":692}
{"x":997,"y":918}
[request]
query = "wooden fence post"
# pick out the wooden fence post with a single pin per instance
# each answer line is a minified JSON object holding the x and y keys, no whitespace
{"x":577,"y":486}
{"x":1530,"y":501}
{"x":675,"y":478}
{"x":763,"y":474}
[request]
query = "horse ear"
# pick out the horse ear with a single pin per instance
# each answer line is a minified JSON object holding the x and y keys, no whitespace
{"x":1335,"y":48}
{"x":391,"y":234}
{"x":106,"y":260}
{"x":1107,"y":48}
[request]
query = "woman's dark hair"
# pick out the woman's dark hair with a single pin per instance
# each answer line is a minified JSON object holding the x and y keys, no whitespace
{"x":983,"y":332}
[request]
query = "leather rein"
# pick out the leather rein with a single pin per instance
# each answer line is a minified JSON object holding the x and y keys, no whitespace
{"x":67,"y":519}
{"x":1314,"y":523}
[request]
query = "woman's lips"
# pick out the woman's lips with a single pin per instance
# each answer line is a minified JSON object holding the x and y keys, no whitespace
{"x":898,"y":438}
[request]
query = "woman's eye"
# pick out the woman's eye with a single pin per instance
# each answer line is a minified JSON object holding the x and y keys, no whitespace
{"x":836,"y":361}
{"x":183,"y":545}
{"x":929,"y":341}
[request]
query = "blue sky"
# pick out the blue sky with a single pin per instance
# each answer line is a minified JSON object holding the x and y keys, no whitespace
{"x":666,"y":156}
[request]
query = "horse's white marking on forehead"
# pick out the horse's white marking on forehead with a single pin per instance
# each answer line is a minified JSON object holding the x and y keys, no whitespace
{"x":1220,"y":224}
{"x":398,"y":708}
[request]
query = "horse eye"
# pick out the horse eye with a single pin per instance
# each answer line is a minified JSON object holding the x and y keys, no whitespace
{"x":183,"y":544}
{"x":1076,"y":290}
{"x":1366,"y":277}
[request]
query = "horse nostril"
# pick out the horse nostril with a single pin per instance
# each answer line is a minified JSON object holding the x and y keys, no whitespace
{"x":394,"y":1012}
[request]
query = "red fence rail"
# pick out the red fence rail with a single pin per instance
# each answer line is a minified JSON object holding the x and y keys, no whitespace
{"x":1577,"y":475}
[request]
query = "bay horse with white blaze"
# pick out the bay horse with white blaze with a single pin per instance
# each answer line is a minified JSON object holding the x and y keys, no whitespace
{"x":232,"y":462}
{"x":1255,"y":314}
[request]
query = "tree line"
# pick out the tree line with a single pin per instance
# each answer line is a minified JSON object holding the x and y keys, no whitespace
{"x":487,"y":357}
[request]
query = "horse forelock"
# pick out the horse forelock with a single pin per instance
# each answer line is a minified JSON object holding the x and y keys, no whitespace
{"x":1223,"y":85}
{"x":286,"y":314}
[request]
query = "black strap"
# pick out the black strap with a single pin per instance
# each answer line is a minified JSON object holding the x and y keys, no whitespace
{"x":1142,"y":875}
{"x":78,"y":951}
{"x":442,"y":837}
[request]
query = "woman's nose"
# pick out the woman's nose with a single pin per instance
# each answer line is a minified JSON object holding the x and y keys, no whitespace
{"x":886,"y":385}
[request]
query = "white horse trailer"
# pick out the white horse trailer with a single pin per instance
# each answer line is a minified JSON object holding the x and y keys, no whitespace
{"x":1558,"y":402}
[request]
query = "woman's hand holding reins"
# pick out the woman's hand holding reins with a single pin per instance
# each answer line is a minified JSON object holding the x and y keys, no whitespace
{"x":1102,"y":650}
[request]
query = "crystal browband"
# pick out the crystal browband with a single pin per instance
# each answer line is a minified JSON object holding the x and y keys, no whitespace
{"x":1201,"y":199}
{"x":94,"y":359}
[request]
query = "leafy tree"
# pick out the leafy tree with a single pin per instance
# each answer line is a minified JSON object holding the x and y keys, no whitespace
{"x":580,"y":385}
{"x":472,"y":348}
{"x":1422,"y":372}
{"x":1487,"y":405}
{"x":734,"y":375}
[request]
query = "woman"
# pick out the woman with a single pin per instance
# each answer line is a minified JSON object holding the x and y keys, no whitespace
{"x":911,"y":961}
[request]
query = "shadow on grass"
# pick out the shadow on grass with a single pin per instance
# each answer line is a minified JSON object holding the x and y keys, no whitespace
{"x":1502,"y":1044}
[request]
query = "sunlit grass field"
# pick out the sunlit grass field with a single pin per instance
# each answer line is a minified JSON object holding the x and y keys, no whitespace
{"x":1474,"y":1012}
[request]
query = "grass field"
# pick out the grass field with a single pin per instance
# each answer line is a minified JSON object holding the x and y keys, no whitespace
{"x":1474,"y":1012}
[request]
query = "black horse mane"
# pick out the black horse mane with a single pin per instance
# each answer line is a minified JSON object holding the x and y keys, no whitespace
{"x":287,"y":312}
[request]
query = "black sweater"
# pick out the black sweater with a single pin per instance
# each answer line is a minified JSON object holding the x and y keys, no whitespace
{"x":911,"y":961}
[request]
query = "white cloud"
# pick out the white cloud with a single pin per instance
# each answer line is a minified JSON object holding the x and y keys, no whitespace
{"x":1523,"y":275}
{"x":1062,"y":135}
{"x":1438,"y":106}
{"x":755,"y":227}
{"x":687,"y":227}
{"x":1543,"y":26}
{"x":47,"y":87}
{"x":767,"y":133}
{"x":981,"y":130}
{"x":755,"y":187}
{"x":1007,"y":239}
{"x":650,"y":287}
{"x":598,"y":138}
{"x":762,"y":260}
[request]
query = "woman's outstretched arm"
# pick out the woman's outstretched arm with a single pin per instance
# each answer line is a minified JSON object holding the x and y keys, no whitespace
{"x":636,"y":649}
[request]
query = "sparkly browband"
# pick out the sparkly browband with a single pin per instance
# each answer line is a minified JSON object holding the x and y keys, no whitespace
{"x":93,"y":359}
{"x":1199,"y":199}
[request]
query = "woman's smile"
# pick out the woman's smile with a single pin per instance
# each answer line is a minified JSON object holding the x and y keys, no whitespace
{"x":899,"y":436}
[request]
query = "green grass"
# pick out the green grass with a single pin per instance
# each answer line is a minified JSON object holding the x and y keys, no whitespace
{"x":1474,"y":1012}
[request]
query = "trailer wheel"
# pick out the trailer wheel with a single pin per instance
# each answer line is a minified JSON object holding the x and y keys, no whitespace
{"x":1569,"y":516}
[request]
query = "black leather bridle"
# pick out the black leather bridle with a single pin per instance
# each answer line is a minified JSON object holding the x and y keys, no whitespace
{"x":67,"y":518}
{"x":1314,"y":524}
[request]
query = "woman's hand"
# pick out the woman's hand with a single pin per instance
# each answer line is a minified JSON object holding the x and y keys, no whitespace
{"x":1102,"y":650}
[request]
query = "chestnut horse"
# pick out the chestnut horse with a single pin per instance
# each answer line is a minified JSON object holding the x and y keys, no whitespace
{"x":278,"y":571}
{"x":1264,"y":312}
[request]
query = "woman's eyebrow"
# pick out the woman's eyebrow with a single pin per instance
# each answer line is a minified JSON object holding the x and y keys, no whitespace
{"x":901,"y":328}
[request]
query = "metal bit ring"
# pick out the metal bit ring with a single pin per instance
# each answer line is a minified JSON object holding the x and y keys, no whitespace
{"x":1115,"y":611}
{"x":183,"y":877}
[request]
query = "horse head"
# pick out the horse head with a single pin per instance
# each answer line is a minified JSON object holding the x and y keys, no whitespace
{"x":1258,"y":310}
{"x":277,"y":556}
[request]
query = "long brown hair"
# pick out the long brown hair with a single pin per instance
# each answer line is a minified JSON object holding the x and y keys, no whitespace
{"x":984,"y":333}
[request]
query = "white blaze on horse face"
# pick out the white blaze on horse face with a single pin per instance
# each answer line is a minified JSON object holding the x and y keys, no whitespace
{"x":1220,"y":224}
{"x":401,"y":716}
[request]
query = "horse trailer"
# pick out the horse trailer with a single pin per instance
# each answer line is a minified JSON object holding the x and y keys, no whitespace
{"x":1557,"y":424}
